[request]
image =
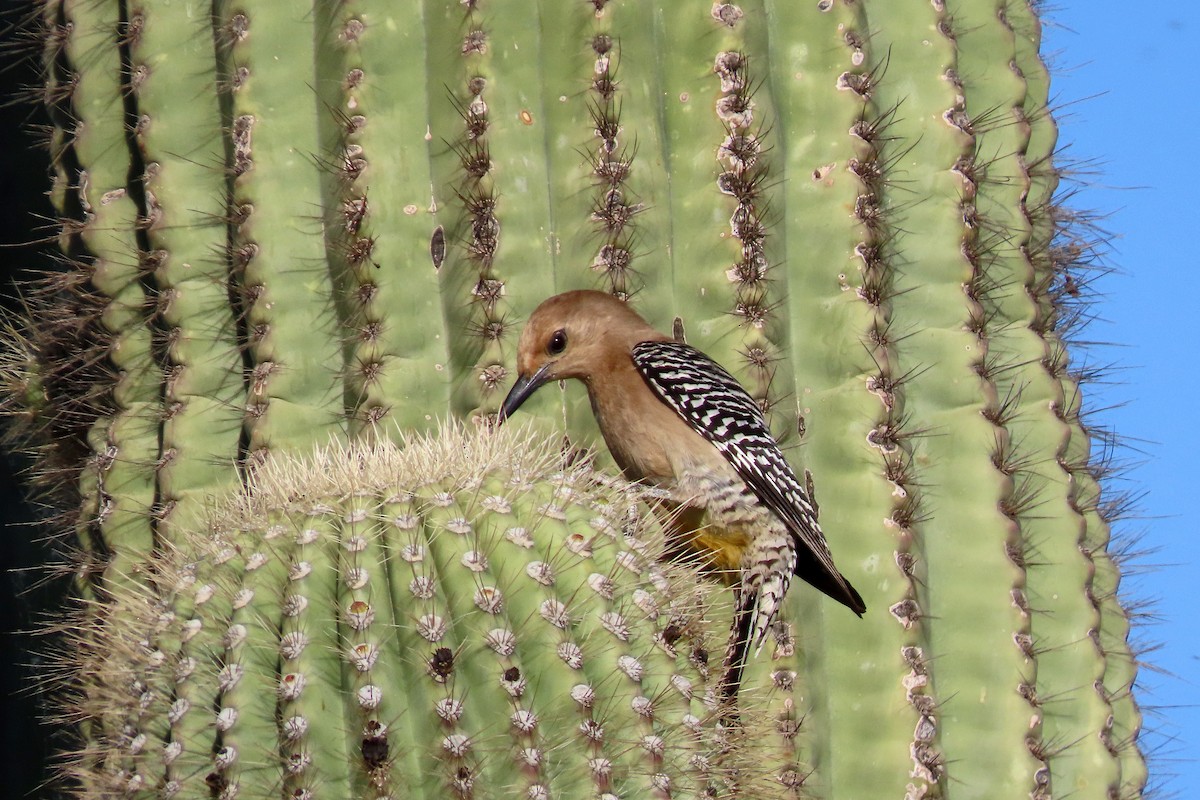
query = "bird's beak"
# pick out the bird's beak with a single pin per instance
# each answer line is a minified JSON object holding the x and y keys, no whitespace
{"x":522,"y":389}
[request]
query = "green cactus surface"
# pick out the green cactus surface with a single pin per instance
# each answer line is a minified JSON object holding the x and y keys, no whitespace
{"x":461,"y":617}
{"x":294,"y":226}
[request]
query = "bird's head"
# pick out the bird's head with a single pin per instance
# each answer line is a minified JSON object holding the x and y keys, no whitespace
{"x":578,"y":334}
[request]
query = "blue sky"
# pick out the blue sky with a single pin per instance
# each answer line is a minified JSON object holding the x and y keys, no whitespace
{"x":1124,"y":103}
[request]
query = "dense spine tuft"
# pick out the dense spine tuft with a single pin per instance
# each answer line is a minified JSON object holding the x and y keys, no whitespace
{"x":380,"y":620}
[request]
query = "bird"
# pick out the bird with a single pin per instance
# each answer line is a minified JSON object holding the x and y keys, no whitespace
{"x":675,"y":420}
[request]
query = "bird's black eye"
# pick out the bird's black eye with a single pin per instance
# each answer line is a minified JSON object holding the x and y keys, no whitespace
{"x":558,"y":343}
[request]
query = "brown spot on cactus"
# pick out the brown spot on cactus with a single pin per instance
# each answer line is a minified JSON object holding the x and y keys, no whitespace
{"x":441,"y":664}
{"x":354,"y":211}
{"x":475,"y":42}
{"x":358,"y":252}
{"x":243,"y":128}
{"x":353,"y":30}
{"x":727,"y":14}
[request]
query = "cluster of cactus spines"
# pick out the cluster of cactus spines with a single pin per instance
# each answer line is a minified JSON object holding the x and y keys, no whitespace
{"x":481,"y":288}
{"x":940,"y":348}
{"x":1062,"y":254}
{"x":183,"y":245}
{"x":283,"y":227}
{"x":849,"y":172}
{"x":443,"y":620}
{"x":1001,"y":212}
{"x":385,"y":220}
{"x":278,"y":263}
{"x":611,"y":162}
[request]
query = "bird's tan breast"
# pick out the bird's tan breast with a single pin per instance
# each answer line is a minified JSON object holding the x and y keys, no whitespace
{"x":708,"y":520}
{"x":647,"y":439}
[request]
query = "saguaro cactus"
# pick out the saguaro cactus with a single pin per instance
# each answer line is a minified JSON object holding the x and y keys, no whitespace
{"x":449,"y":619}
{"x":288,"y":226}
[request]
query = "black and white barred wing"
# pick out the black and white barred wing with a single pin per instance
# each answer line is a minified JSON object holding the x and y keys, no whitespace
{"x":716,"y":406}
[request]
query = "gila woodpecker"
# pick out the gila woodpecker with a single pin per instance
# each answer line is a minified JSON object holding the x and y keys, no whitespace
{"x":675,"y":420}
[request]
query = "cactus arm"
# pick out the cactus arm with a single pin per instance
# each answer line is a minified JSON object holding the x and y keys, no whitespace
{"x":296,"y":578}
{"x":383,"y":218}
{"x":125,"y":444}
{"x":278,"y":262}
{"x":981,"y":669}
{"x":1035,"y":433}
{"x":640,"y":258}
{"x":180,"y":141}
{"x":834,"y":261}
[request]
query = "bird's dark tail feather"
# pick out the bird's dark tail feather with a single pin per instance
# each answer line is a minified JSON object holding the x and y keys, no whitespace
{"x":741,"y":633}
{"x":736,"y":653}
{"x":811,"y":571}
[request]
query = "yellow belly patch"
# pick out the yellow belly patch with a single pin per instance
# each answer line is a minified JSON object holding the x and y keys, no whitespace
{"x":716,"y":549}
{"x":721,"y":548}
